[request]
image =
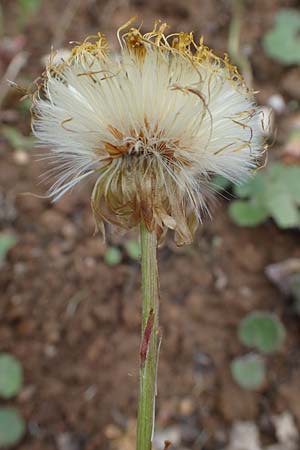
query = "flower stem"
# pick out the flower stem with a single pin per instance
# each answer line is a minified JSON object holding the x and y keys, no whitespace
{"x":149,"y":341}
{"x":234,"y":47}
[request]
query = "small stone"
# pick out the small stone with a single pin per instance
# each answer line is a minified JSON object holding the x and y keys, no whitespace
{"x":90,"y":392}
{"x":186,"y":407}
{"x":288,"y":396}
{"x":286,"y":430}
{"x":27,"y":393}
{"x":244,"y":436}
{"x":67,"y":441}
{"x":221,"y":280}
{"x":111,"y":431}
{"x":21,"y":157}
{"x":277,"y":102}
{"x":52,"y":220}
{"x":69,"y":231}
{"x":50,"y":351}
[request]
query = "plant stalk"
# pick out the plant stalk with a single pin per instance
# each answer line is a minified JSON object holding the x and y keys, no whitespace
{"x":234,"y":47}
{"x":149,"y":340}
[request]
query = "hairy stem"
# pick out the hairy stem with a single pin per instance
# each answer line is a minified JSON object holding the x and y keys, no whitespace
{"x":149,"y":340}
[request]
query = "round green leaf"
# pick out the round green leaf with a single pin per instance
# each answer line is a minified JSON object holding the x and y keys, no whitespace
{"x":247,"y":214}
{"x":12,"y":427}
{"x":282,"y":208}
{"x":251,"y":187}
{"x":133,"y":249}
{"x":281,"y":177}
{"x":262,"y":331}
{"x":248,"y":371}
{"x":11,"y":376}
{"x":283,"y":42}
{"x":113,"y":256}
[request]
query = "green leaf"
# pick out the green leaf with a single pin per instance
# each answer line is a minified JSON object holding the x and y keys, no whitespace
{"x":287,"y":178}
{"x":7,"y":241}
{"x":251,"y":187}
{"x":133,"y":249}
{"x":283,"y":209}
{"x":12,"y":427}
{"x":17,"y":139}
{"x":249,"y":371}
{"x":246,"y":213}
{"x":262,"y":331}
{"x":112,"y":256}
{"x":283,"y":42}
{"x":11,"y":376}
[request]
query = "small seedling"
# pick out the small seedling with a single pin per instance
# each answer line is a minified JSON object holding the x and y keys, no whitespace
{"x":282,"y":43}
{"x":273,"y":193}
{"x":133,"y":249}
{"x":262,"y":331}
{"x":12,"y":427}
{"x":249,"y":371}
{"x":11,"y":376}
{"x":113,"y":256}
{"x":7,"y":241}
{"x":247,"y":214}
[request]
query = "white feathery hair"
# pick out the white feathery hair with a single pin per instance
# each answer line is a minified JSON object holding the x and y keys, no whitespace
{"x":154,"y":124}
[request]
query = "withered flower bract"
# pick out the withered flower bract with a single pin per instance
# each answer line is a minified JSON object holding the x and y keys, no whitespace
{"x":153,"y":124}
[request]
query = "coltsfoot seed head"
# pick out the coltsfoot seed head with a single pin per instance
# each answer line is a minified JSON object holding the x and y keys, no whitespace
{"x":153,"y":125}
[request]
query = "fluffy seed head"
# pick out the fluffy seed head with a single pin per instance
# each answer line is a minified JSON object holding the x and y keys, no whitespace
{"x":152,"y":124}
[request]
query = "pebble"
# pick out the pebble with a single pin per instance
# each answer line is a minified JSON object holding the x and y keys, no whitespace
{"x":244,"y":436}
{"x":52,"y":221}
{"x":286,"y":430}
{"x":111,"y":431}
{"x":21,"y":157}
{"x":186,"y":407}
{"x":67,"y":441}
{"x":277,"y":102}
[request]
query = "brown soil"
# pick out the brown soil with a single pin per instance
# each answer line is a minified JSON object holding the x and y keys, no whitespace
{"x":74,"y":322}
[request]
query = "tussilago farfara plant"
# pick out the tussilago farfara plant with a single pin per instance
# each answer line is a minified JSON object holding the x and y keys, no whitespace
{"x":151,"y":126}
